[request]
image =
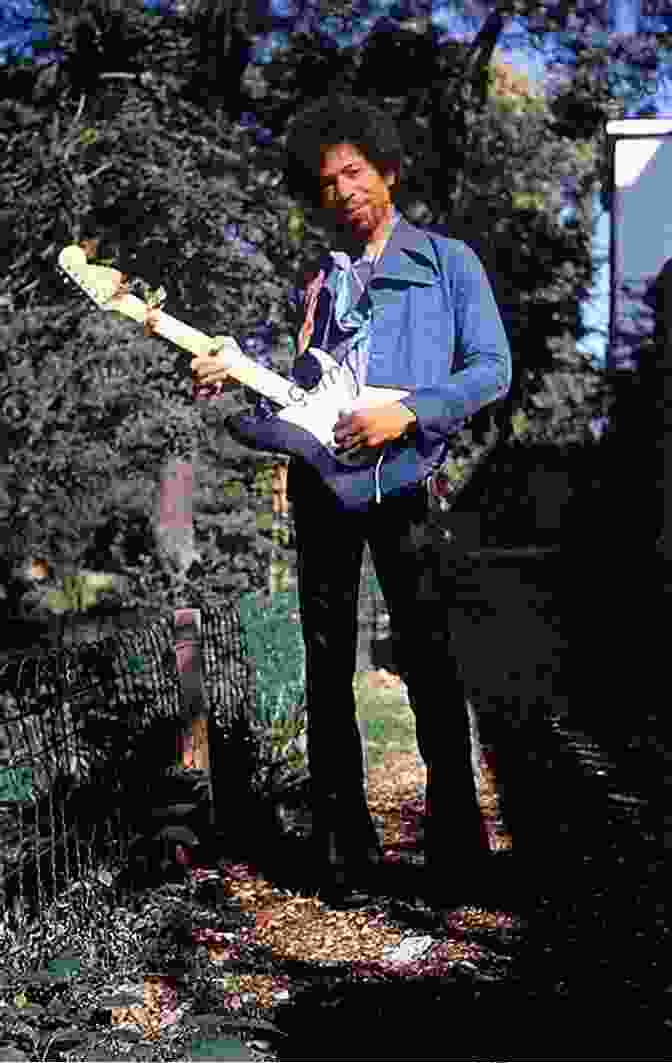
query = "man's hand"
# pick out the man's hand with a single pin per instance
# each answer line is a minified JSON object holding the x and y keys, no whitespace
{"x":373,"y":426}
{"x":213,"y":368}
{"x":209,"y":369}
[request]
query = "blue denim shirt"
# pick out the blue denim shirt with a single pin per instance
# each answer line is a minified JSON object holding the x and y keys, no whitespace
{"x":435,"y":330}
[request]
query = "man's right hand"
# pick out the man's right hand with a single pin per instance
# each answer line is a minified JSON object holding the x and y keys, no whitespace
{"x":213,"y":368}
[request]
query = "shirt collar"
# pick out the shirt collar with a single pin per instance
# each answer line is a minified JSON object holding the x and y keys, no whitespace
{"x":409,"y":255}
{"x":368,"y":257}
{"x":342,"y":258}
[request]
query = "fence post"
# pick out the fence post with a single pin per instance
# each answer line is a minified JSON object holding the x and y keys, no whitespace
{"x":174,"y":529}
{"x":278,"y":578}
{"x":194,"y":748}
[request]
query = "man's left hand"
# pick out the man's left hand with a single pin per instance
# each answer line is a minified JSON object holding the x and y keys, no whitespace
{"x":373,"y":426}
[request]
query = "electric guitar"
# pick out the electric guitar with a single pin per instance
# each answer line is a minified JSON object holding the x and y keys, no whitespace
{"x":303,"y":425}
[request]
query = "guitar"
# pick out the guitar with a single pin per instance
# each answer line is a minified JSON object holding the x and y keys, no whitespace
{"x":303,"y":426}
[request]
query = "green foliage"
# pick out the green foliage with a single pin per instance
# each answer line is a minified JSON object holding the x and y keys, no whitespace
{"x":520,"y":424}
{"x":295,"y":227}
{"x":220,"y":1048}
{"x":270,"y":750}
{"x":64,"y":966}
{"x":66,"y":414}
{"x":278,"y":756}
{"x":80,"y":592}
{"x":275,"y":646}
{"x":16,"y":784}
{"x":136,"y":664}
{"x":90,"y":408}
{"x":373,"y":584}
{"x":376,"y":730}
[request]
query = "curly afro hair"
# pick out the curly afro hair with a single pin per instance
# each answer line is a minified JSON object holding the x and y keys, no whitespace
{"x":338,"y":119}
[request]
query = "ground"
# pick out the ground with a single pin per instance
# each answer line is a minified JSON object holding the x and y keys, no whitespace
{"x":566,"y":970}
{"x":562,"y":956}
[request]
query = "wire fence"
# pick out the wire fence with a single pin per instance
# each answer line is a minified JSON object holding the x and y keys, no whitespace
{"x":86,"y":735}
{"x":89,"y":728}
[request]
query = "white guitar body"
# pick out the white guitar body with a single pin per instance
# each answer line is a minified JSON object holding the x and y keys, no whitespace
{"x":318,"y":410}
{"x":303,"y":427}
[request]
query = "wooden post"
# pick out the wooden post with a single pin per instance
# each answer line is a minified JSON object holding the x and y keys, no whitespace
{"x":174,"y":529}
{"x":278,"y":569}
{"x":194,"y":749}
{"x":188,"y":657}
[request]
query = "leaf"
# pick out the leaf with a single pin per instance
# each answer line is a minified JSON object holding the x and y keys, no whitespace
{"x":221,"y":1048}
{"x":87,"y":598}
{"x":99,"y":581}
{"x":528,"y":201}
{"x":80,"y":592}
{"x":58,"y":602}
{"x":16,"y":784}
{"x":230,"y":984}
{"x":64,"y":967}
{"x":519,"y":423}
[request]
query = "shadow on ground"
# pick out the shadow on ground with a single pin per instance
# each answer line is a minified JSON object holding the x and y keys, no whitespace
{"x":581,"y":772}
{"x":583,"y":978}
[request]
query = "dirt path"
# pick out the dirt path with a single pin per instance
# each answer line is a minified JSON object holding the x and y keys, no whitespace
{"x":397,"y":775}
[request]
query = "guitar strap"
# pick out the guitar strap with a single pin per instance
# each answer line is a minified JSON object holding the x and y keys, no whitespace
{"x":310,"y":300}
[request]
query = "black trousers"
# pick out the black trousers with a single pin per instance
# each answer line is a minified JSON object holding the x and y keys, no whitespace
{"x":416,"y":577}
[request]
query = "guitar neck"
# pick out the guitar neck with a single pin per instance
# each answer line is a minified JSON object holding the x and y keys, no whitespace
{"x":243,"y":369}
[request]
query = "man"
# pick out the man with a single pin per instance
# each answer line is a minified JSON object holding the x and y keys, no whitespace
{"x":404,"y":309}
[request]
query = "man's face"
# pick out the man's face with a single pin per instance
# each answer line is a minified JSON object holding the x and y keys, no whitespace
{"x":349,"y":181}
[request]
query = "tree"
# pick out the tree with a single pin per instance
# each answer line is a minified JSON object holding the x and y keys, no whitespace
{"x":194,"y":203}
{"x":83,"y":458}
{"x":223,"y":46}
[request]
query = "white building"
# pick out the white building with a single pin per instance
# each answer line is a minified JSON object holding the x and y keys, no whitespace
{"x":641,"y":230}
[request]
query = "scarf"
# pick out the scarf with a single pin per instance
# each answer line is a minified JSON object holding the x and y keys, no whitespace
{"x":352,"y":318}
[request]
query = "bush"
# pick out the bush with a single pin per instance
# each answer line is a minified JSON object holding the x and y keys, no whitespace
{"x":275,"y":646}
{"x":90,"y":409}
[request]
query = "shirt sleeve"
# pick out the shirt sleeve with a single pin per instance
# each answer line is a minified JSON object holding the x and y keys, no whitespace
{"x":482,"y":359}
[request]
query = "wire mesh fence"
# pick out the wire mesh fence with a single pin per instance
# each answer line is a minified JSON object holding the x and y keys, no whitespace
{"x":86,"y":733}
{"x":87,"y":728}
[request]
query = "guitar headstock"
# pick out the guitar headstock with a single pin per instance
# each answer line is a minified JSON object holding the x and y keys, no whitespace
{"x":108,"y":288}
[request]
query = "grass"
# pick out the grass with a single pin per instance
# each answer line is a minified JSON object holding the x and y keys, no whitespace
{"x":391,"y":739}
{"x":389,"y":718}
